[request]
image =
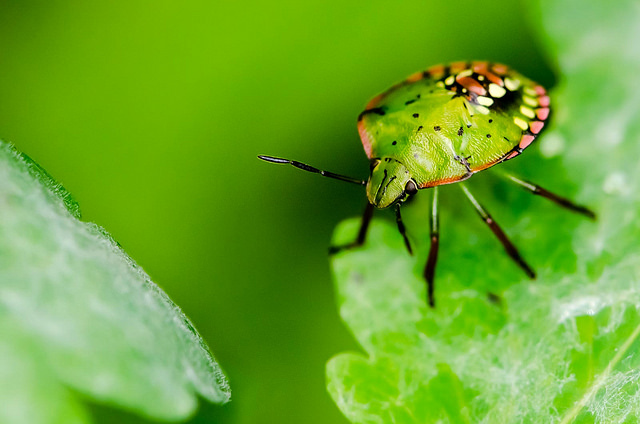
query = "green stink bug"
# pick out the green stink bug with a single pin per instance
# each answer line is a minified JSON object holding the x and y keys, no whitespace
{"x":441,"y":126}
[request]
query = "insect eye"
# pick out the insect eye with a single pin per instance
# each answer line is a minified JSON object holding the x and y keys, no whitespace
{"x":411,"y":188}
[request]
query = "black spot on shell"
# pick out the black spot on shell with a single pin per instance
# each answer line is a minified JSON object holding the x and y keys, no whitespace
{"x":488,"y":135}
{"x":420,"y":128}
{"x":418,"y":96}
{"x":490,"y":120}
{"x":416,"y":115}
{"x":460,"y":131}
{"x":394,"y":143}
{"x":376,"y":110}
{"x":408,"y":102}
{"x":437,"y":128}
{"x":468,"y":125}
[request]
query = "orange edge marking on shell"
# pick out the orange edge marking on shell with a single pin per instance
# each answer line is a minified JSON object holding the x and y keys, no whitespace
{"x":526,"y":140}
{"x":536,"y":126}
{"x":485,"y":166}
{"x":446,"y":181}
{"x":482,"y":68}
{"x":542,"y":113}
{"x":492,"y":77}
{"x":511,"y":155}
{"x":456,"y":67}
{"x":544,"y":101}
{"x":472,"y":85}
{"x":373,"y":102}
{"x":488,"y":165}
{"x":479,"y":66}
{"x":415,"y":77}
{"x":364,"y":137}
{"x":437,"y":70}
{"x":500,"y":69}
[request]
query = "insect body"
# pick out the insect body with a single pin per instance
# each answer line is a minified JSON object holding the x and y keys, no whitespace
{"x":441,"y":126}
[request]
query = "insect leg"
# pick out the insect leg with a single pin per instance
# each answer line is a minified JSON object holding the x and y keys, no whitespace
{"x":362,"y":233}
{"x":309,"y":168}
{"x":430,"y":267}
{"x":561,"y":201}
{"x":402,"y":229}
{"x":508,"y":246}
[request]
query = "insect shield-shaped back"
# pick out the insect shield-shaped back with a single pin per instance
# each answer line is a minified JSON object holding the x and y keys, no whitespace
{"x":389,"y":183}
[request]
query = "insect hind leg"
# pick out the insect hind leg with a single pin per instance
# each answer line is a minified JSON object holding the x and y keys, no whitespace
{"x":509,"y":247}
{"x":558,"y":200}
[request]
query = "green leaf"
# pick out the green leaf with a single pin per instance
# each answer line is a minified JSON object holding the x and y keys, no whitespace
{"x":80,"y":320}
{"x":563,"y":348}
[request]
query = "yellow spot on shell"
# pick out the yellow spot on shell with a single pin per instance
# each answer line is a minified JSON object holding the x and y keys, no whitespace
{"x":529,"y":113}
{"x":440,"y":84}
{"x":465,"y":73}
{"x":496,"y":91}
{"x":530,"y":101}
{"x":480,"y":77}
{"x":521,"y":123}
{"x":483,"y":110}
{"x":450,"y":80}
{"x":485,"y":101}
{"x":530,"y":91}
{"x":512,"y":84}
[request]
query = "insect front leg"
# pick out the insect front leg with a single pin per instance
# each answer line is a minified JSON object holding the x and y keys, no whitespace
{"x":402,"y":229}
{"x":362,"y":233}
{"x":430,"y":267}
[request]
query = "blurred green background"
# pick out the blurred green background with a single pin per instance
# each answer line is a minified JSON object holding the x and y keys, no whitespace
{"x":152,"y":113}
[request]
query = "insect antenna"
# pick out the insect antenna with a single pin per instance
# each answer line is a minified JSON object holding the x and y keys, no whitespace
{"x":558,"y":200}
{"x":309,"y":168}
{"x":495,"y":228}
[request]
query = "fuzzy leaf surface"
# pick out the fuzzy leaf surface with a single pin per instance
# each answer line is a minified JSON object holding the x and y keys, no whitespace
{"x":563,"y":348}
{"x":80,"y":320}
